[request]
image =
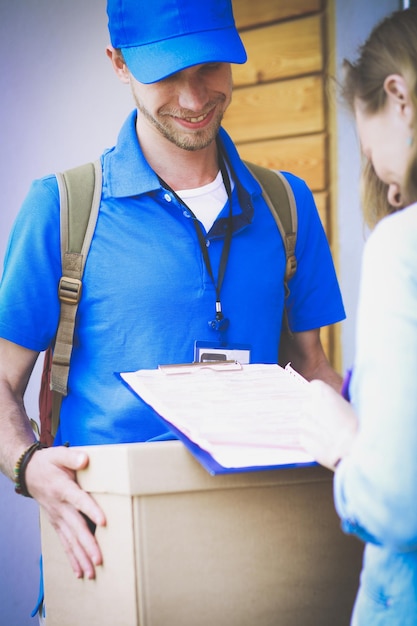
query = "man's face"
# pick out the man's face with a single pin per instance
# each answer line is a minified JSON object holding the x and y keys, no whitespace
{"x":186,"y":108}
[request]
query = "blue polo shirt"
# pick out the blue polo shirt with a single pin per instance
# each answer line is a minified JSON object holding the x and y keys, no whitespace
{"x":147,"y":295}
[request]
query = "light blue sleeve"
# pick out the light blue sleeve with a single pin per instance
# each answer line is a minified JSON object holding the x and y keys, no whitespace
{"x":376,"y":486}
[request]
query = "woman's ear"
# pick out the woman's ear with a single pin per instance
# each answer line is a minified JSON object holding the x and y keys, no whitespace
{"x":118,"y":64}
{"x":396,"y":88}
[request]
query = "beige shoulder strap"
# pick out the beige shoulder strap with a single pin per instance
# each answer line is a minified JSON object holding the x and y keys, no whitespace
{"x":80,"y":195}
{"x":280,"y":199}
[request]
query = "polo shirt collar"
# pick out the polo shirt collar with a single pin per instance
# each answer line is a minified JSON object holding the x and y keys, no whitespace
{"x":127,"y":173}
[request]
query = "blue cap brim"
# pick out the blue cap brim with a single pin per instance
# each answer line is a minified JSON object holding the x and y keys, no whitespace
{"x":153,"y":62}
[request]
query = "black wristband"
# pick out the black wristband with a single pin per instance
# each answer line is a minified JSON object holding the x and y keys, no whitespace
{"x":20,"y":468}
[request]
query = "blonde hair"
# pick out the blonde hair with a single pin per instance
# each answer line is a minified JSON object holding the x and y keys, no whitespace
{"x":390,"y":49}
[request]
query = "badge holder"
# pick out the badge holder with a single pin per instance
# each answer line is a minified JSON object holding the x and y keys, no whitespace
{"x":216,"y":352}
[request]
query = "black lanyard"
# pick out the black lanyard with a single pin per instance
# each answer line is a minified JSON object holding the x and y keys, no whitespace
{"x":220,"y":323}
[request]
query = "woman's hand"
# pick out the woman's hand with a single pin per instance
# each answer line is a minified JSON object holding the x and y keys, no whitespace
{"x":329,"y":425}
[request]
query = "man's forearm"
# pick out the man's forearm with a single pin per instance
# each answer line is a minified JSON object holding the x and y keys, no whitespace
{"x":306,"y":354}
{"x":324,"y":371}
{"x":16,"y":431}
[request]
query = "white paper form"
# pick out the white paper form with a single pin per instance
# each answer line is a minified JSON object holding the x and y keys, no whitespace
{"x":243,"y":415}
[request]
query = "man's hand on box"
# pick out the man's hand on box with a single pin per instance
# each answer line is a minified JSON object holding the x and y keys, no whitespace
{"x":51,"y":480}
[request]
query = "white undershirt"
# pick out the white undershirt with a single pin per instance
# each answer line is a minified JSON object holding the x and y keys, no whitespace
{"x":206,"y":202}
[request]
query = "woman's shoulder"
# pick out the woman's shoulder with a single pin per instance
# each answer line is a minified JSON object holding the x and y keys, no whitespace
{"x":391,"y":248}
{"x":396,"y":232}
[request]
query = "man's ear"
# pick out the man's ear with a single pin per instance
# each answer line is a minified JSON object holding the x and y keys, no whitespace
{"x":397,"y":90}
{"x":119,"y":65}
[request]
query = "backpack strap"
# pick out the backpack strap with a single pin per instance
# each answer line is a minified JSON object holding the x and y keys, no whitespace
{"x":279,"y":197}
{"x":80,"y":195}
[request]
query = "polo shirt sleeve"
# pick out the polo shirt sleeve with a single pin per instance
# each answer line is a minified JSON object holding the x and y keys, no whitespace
{"x":315,"y":299}
{"x":29,"y":306}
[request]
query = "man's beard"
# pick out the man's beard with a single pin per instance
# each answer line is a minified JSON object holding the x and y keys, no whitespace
{"x":192,"y":140}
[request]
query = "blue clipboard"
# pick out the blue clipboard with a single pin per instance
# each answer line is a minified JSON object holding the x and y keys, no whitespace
{"x":213,"y":467}
{"x":203,"y":457}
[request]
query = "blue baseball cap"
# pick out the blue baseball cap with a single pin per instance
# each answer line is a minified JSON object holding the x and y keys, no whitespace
{"x":161,"y":37}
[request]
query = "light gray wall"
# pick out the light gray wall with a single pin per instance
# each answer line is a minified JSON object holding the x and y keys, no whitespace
{"x":62,"y":105}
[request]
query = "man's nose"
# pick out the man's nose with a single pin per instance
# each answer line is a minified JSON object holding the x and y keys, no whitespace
{"x":193,"y":93}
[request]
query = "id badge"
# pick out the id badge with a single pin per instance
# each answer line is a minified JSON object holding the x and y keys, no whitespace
{"x":206,"y":351}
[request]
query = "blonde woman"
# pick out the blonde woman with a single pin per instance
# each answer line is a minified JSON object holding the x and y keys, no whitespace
{"x":371,"y":443}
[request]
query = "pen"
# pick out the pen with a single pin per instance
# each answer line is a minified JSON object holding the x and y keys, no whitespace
{"x":345,"y":385}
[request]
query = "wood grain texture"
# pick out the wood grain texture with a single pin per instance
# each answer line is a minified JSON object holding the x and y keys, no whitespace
{"x":280,"y":51}
{"x":278,"y":117}
{"x":281,"y":109}
{"x":321,"y":200}
{"x":304,"y":156}
{"x":251,"y":12}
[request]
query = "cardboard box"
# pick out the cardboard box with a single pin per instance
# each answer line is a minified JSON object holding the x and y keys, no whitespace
{"x":185,"y":548}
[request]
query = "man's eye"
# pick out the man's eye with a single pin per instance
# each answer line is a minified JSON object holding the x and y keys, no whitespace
{"x":210,"y":67}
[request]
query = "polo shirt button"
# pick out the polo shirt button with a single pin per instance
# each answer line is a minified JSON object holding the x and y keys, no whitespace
{"x":207,"y":243}
{"x":185,"y":213}
{"x":167,"y":197}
